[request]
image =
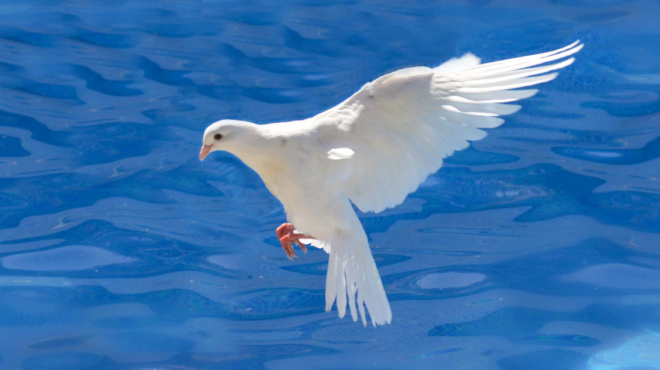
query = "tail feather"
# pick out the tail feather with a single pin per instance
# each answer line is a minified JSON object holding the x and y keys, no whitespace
{"x":352,"y":271}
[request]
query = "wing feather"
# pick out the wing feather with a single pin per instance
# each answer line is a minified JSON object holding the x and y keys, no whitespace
{"x":401,"y":125}
{"x":505,"y":96}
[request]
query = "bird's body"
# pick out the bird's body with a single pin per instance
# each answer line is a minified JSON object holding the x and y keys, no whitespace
{"x":299,"y":182}
{"x":372,"y":150}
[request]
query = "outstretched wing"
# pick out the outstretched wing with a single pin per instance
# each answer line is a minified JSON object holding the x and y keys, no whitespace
{"x":402,"y":125}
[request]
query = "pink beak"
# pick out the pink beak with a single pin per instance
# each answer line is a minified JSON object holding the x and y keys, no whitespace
{"x":206,"y":149}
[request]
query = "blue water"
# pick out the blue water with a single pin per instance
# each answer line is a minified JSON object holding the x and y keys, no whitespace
{"x":537,"y":248}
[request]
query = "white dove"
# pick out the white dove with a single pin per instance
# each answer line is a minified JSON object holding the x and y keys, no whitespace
{"x":374,"y":149}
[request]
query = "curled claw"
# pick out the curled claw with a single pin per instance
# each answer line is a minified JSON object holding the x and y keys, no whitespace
{"x":287,"y":236}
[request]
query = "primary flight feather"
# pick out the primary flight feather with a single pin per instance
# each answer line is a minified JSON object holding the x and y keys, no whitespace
{"x":374,"y":149}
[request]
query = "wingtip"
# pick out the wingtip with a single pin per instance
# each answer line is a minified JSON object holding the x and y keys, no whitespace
{"x":571,"y":49}
{"x":578,"y":46}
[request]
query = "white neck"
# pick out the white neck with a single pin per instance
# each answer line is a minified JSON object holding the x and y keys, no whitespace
{"x":258,"y":149}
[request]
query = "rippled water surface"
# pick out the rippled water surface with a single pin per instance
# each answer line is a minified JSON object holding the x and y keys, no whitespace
{"x":537,"y":248}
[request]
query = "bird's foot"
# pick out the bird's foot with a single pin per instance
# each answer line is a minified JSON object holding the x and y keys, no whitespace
{"x":287,"y":237}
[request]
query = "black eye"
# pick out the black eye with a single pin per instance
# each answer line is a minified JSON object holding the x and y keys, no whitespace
{"x":217,"y":136}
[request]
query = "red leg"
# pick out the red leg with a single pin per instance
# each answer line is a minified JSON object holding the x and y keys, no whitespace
{"x":287,"y":237}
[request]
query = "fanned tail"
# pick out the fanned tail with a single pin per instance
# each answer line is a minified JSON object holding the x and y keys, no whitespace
{"x":353,"y":278}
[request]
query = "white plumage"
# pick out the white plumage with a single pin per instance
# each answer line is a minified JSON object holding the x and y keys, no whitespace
{"x":373,"y":150}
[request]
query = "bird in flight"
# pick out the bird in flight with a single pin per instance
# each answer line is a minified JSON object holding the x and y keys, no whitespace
{"x":372,"y":150}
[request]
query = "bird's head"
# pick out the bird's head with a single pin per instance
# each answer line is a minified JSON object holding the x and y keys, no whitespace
{"x":228,"y":135}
